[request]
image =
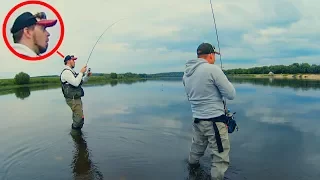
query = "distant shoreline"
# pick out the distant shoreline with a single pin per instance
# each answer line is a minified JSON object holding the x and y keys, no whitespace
{"x":54,"y":81}
{"x":278,"y":76}
{"x":38,"y":81}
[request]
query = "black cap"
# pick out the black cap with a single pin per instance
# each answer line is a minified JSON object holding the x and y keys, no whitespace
{"x":205,"y":48}
{"x":27,"y":19}
{"x":24,"y":20}
{"x":69,"y":57}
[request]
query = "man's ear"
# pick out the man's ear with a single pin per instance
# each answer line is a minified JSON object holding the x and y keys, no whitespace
{"x":28,"y":31}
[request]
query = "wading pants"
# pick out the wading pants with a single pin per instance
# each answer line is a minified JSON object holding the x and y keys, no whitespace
{"x":77,"y":112}
{"x":203,"y":138}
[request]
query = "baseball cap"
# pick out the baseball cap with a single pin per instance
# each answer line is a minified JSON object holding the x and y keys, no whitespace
{"x":27,"y":19}
{"x":205,"y":48}
{"x":69,"y":57}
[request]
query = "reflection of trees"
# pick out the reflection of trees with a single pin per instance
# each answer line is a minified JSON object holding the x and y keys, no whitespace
{"x":114,"y":82}
{"x":83,"y":167}
{"x":128,"y":81}
{"x":292,"y":83}
{"x":22,"y":92}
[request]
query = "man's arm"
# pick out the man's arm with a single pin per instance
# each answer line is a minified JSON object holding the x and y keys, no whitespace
{"x":224,"y":85}
{"x":68,"y":76}
{"x":86,"y":77}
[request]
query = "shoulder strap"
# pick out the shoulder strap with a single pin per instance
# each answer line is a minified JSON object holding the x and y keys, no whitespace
{"x":62,"y":72}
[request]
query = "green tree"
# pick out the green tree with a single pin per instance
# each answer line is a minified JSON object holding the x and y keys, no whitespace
{"x":295,"y":68}
{"x":22,"y":78}
{"x":113,"y":75}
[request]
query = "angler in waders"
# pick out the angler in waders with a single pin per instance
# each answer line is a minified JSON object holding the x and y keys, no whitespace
{"x":71,"y":88}
{"x":205,"y":86}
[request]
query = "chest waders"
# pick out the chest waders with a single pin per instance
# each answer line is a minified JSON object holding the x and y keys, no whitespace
{"x":69,"y":91}
{"x":226,"y":119}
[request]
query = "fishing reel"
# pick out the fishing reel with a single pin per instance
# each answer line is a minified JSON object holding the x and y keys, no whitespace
{"x":231,"y":122}
{"x":229,"y":114}
{"x":89,"y":71}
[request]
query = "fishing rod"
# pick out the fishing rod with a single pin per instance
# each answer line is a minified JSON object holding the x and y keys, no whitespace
{"x":215,"y":26}
{"x":100,"y":37}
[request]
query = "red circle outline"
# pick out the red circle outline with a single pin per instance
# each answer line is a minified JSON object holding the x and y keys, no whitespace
{"x":4,"y":26}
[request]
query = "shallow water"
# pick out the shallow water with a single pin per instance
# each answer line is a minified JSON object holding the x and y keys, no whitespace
{"x":143,"y":131}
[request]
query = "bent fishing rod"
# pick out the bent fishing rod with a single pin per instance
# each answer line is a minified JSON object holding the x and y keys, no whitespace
{"x":215,"y":26}
{"x":100,"y":38}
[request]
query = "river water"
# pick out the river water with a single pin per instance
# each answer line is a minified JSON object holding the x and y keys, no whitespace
{"x":143,"y":131}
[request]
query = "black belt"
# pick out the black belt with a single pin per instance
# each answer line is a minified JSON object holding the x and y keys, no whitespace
{"x":222,"y":119}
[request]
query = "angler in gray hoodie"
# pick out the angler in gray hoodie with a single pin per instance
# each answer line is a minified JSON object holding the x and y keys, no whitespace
{"x":205,"y":86}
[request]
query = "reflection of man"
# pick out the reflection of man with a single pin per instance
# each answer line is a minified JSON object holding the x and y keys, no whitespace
{"x":82,"y":165}
{"x":205,"y":86}
{"x":30,"y":35}
{"x":71,"y":88}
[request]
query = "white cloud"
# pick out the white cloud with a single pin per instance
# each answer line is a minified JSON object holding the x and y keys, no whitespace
{"x":159,"y":36}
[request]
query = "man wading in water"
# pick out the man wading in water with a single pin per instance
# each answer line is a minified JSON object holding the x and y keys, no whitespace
{"x":205,"y":85}
{"x":71,"y":88}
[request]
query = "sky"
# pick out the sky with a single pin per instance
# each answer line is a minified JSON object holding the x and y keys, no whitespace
{"x":160,"y":36}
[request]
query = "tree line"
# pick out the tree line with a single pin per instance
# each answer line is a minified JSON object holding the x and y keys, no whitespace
{"x":295,"y":68}
{"x":23,"y":78}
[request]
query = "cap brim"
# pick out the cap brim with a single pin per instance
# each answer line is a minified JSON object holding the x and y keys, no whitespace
{"x":74,"y":58}
{"x":217,"y":52}
{"x":47,"y":23}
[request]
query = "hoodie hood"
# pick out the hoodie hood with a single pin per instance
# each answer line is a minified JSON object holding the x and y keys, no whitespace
{"x":192,"y":65}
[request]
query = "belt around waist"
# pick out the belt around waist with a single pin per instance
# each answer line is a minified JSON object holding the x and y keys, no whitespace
{"x":221,"y":118}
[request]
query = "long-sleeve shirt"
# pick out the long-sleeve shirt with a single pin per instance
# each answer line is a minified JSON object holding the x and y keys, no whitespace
{"x":68,"y":77}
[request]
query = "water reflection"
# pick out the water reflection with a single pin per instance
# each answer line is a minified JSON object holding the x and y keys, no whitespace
{"x":82,"y":165}
{"x":146,"y":134}
{"x":296,"y":84}
{"x":113,"y":83}
{"x":22,"y":92}
{"x":198,"y":174}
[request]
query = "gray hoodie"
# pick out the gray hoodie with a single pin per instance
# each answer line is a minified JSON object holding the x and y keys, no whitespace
{"x":205,"y":85}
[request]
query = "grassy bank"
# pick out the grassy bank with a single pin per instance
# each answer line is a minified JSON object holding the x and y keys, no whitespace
{"x":279,"y":76}
{"x":55,"y":81}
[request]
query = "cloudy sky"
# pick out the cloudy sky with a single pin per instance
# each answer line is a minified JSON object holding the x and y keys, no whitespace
{"x":159,"y":36}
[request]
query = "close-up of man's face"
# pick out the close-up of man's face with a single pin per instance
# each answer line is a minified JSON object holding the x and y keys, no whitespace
{"x":31,"y":31}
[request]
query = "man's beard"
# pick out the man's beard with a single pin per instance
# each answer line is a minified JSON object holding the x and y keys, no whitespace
{"x":41,"y":50}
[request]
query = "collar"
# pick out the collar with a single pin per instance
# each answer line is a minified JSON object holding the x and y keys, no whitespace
{"x":67,"y":67}
{"x":23,"y":49}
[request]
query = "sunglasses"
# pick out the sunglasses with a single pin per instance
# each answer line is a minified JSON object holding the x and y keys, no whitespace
{"x":41,"y":15}
{"x":215,"y":52}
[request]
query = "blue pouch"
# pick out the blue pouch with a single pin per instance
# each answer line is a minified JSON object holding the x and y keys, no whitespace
{"x":231,"y":123}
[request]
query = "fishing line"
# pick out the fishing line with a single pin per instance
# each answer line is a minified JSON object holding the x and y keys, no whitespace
{"x":100,"y":37}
